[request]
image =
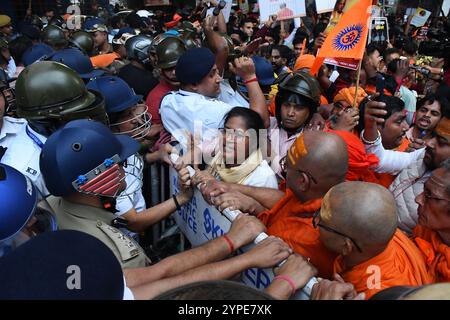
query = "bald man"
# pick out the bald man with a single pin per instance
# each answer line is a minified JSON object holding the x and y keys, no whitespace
{"x":432,"y":234}
{"x":436,"y":291}
{"x":315,"y":162}
{"x":358,"y":222}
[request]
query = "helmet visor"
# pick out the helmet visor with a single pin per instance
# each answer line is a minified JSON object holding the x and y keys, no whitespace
{"x":137,"y":125}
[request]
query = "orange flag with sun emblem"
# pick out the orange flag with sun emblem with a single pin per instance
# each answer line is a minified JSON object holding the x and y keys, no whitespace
{"x":348,"y":38}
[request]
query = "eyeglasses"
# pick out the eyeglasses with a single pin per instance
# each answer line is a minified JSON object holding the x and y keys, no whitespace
{"x":283,"y":167}
{"x":316,"y":223}
{"x":233,"y":134}
{"x":429,"y":195}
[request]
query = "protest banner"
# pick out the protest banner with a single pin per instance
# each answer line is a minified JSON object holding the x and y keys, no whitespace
{"x":351,"y":64}
{"x":283,"y":9}
{"x":323,"y":6}
{"x":201,"y":222}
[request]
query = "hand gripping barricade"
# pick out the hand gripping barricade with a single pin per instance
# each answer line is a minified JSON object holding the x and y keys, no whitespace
{"x":214,"y":225}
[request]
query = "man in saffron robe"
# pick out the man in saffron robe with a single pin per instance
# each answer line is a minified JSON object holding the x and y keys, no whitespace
{"x":315,"y":162}
{"x":358,"y":221}
{"x":432,"y":234}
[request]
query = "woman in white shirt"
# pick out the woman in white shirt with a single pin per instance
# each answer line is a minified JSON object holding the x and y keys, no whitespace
{"x":239,"y":158}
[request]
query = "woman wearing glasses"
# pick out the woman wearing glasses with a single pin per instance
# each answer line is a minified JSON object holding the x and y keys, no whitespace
{"x":239,"y":158}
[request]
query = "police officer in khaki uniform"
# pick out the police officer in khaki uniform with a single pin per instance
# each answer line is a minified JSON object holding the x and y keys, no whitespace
{"x":83,"y":166}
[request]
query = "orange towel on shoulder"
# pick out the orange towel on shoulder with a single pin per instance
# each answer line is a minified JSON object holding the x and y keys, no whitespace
{"x":437,"y":253}
{"x":291,"y":220}
{"x":104,"y":60}
{"x":400,"y":264}
{"x":360,"y":163}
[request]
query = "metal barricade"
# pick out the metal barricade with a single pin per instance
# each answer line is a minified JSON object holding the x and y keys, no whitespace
{"x":155,"y":197}
{"x":159,"y":183}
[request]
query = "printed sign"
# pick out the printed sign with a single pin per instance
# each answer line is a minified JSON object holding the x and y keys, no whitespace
{"x":351,"y":64}
{"x":336,"y":15}
{"x":283,"y":9}
{"x":420,"y":17}
{"x":445,"y":7}
{"x":323,"y":6}
{"x":201,"y":222}
{"x":379,"y":30}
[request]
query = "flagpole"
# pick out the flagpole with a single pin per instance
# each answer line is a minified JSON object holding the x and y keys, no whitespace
{"x":357,"y":82}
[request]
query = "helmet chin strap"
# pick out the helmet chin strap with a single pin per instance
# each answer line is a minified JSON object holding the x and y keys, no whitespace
{"x":44,"y":127}
{"x":109,"y":204}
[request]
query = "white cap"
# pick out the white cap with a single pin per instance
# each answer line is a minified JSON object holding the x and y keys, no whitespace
{"x":123,"y":38}
{"x":145,"y":13}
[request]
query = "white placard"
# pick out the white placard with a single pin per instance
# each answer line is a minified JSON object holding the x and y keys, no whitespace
{"x":201,"y":222}
{"x":445,"y":7}
{"x":325,"y":5}
{"x":420,"y":17}
{"x":227,"y":10}
{"x":410,"y":11}
{"x":284,"y":9}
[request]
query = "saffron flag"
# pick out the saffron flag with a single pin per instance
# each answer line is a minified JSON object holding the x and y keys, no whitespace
{"x":348,"y":38}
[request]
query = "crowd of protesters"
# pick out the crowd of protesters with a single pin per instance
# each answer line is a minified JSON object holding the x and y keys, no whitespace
{"x":347,"y":171}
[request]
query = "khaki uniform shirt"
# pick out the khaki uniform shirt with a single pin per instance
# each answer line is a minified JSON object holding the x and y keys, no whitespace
{"x":96,"y":222}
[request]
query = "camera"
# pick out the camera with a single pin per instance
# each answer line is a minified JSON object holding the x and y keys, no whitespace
{"x":392,"y":67}
{"x":439,"y":44}
{"x":438,"y":49}
{"x":424,"y":71}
